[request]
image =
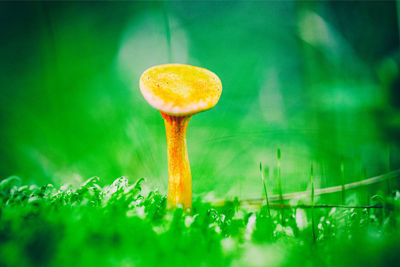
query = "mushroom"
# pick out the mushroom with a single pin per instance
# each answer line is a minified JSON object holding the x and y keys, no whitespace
{"x":178,"y":91}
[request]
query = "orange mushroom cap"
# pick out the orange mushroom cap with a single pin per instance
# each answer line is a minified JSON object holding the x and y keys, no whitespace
{"x":179,"y":89}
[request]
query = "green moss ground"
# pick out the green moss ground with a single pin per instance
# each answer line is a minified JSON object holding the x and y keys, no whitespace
{"x":119,"y":225}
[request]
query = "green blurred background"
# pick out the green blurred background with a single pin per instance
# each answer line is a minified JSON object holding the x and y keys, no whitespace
{"x":318,"y":80}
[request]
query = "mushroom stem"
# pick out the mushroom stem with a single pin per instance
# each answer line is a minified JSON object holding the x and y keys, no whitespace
{"x":180,"y":178}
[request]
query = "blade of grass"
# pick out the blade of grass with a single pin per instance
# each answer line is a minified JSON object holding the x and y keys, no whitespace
{"x":343,"y":183}
{"x":312,"y":203}
{"x":265,"y":189}
{"x":280,"y":185}
{"x":388,"y":183}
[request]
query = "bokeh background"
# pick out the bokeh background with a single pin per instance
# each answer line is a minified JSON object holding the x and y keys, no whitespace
{"x":317,"y":80}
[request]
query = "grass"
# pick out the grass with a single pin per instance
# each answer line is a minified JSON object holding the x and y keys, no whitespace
{"x":120,"y":225}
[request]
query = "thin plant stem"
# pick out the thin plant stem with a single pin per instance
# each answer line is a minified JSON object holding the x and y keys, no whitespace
{"x":280,"y":185}
{"x":388,"y":184}
{"x":265,"y":189}
{"x":343,"y":183}
{"x":312,"y":203}
{"x":368,"y":210}
{"x":368,"y":195}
